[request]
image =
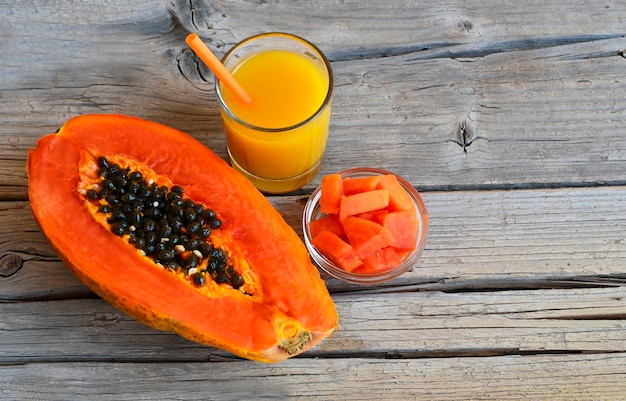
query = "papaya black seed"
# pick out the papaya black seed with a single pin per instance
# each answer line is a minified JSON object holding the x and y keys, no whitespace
{"x":215,"y":223}
{"x":165,"y":230}
{"x":92,"y":194}
{"x":193,"y":244}
{"x":145,"y":192}
{"x":178,"y":202}
{"x":153,"y":213}
{"x":192,"y":261}
{"x":113,"y":169}
{"x":166,"y":255}
{"x":177,"y":189}
{"x":119,"y":181}
{"x":139,"y":206}
{"x":113,"y":200}
{"x":209,"y":214}
{"x":135,"y":218}
{"x":222,"y":279}
{"x":198,"y":279}
{"x":212,"y":266}
{"x":118,"y":228}
{"x":118,"y":215}
{"x":134,"y":187}
{"x":199,"y":209}
{"x":184,"y":240}
{"x":218,"y":254}
{"x":172,"y":196}
{"x":172,"y":265}
{"x":128,"y":198}
{"x":190,"y":214}
{"x":230,"y":271}
{"x":236,"y":281}
{"x":149,"y":225}
{"x":161,"y":246}
{"x":176,"y":211}
{"x":104,"y":193}
{"x":221,"y":268}
{"x":103,"y":162}
{"x":177,"y":224}
{"x":135,"y":176}
{"x":151,"y":238}
{"x":193,"y":227}
{"x":150,"y":249}
{"x":158,"y":195}
{"x":205,"y":249}
{"x":107,"y":184}
{"x":106,"y":209}
{"x":204,"y":232}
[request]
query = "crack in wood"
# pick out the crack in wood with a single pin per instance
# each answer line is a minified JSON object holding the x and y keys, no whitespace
{"x":470,"y":50}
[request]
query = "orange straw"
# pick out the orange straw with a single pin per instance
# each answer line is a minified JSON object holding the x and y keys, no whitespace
{"x":207,"y":56}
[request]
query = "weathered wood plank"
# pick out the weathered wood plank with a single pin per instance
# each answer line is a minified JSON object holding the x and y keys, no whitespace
{"x":416,"y":324}
{"x":484,"y":239}
{"x":475,"y":95}
{"x":534,"y":107}
{"x":550,"y":377}
{"x":508,"y":120}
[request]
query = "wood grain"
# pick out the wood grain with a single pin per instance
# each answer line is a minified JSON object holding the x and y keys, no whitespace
{"x":511,"y":378}
{"x":453,"y":97}
{"x":416,"y":325}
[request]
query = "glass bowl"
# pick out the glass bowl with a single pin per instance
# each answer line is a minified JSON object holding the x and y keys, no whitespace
{"x":312,"y":212}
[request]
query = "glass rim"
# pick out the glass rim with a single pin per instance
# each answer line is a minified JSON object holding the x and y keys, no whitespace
{"x":312,"y":117}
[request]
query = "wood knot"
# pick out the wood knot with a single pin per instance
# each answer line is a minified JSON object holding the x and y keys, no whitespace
{"x":465,"y":133}
{"x":465,"y":25}
{"x":10,"y":263}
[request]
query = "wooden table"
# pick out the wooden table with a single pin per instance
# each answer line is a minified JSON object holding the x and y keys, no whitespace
{"x":508,"y":117}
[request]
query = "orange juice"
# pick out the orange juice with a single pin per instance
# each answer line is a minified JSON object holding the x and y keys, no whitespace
{"x":279,"y":139}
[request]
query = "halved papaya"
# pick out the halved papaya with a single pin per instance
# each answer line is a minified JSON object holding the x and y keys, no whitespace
{"x":227,"y":284}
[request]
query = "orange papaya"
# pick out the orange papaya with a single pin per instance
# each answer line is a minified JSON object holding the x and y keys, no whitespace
{"x":162,"y":228}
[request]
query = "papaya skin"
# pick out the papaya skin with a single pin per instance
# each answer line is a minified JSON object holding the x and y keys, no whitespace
{"x":287,"y":309}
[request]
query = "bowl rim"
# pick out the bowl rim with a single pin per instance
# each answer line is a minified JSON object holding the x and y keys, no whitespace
{"x":311,"y":209}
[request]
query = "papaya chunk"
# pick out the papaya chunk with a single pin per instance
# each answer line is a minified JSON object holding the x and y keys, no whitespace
{"x":337,"y":250}
{"x":327,"y":223}
{"x":287,"y":310}
{"x":359,"y":184}
{"x":403,"y":225}
{"x":382,"y":260}
{"x":363,"y":202}
{"x":366,"y":236}
{"x":399,"y":199}
{"x":332,"y":191}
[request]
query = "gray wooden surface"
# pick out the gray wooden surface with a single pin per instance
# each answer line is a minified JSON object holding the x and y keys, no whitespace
{"x":507,"y":116}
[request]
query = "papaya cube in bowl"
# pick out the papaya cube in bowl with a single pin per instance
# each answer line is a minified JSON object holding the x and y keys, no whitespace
{"x":365,"y":225}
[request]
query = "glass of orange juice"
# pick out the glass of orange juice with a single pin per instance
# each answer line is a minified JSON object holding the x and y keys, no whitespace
{"x":278,"y":140}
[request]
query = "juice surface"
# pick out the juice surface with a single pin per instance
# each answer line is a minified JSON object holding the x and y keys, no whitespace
{"x":287,"y":88}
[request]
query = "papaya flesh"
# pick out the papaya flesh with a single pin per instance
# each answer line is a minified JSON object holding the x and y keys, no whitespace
{"x":275,"y":304}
